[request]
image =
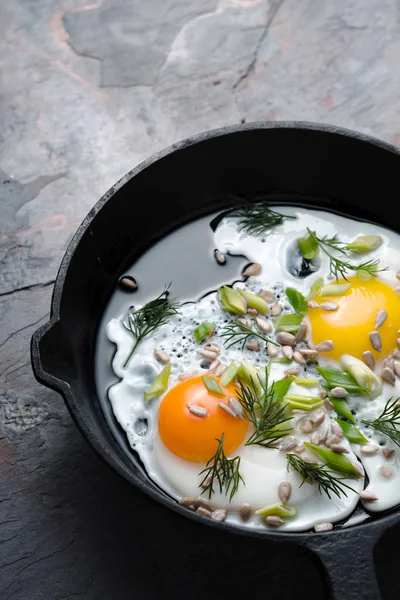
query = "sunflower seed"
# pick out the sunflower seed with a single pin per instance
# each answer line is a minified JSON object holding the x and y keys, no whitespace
{"x":203,"y":503}
{"x":235,"y":407}
{"x":375,"y":339}
{"x":187,"y":501}
{"x":325,"y":346}
{"x":220,"y":370}
{"x":272,"y":350}
{"x":252,"y":270}
{"x":328,"y":404}
{"x":386,"y":471}
{"x":369,"y":449}
{"x":227,"y":409}
{"x":317,"y":418}
{"x":203,"y":512}
{"x":358,"y":469}
{"x":323,"y":432}
{"x":276,"y":310}
{"x":331,"y":440}
{"x":301,"y":332}
{"x":253,"y":312}
{"x":288,"y":443}
{"x":300,"y":448}
{"x":245,"y":512}
{"x":287,"y":352}
{"x":369,"y":360}
{"x":309,"y":354}
{"x":212,"y":348}
{"x":398,"y":274}
{"x":245,"y":322}
{"x":337,"y":430}
{"x":322,"y":392}
{"x":267,"y":296}
{"x":368,"y":496}
{"x":321,"y":527}
{"x":187,"y":375}
{"x":388,"y":362}
{"x":284,"y":491}
{"x":292,"y":372}
{"x":215,"y":363}
{"x":396,"y":368}
{"x":339,"y":392}
{"x":207,"y":354}
{"x":219,"y":515}
{"x":307,"y":427}
{"x":199,"y":411}
{"x":388,"y":452}
{"x":263,"y":325}
{"x":299,"y":358}
{"x":274,"y":521}
{"x":339,"y":449}
{"x":128,"y":283}
{"x":312,"y":304}
{"x":380,"y":318}
{"x":219,"y":257}
{"x":161,"y":356}
{"x":285,"y":339}
{"x":254,"y":345}
{"x":329,"y":306}
{"x":388,"y":375}
{"x":315,"y":438}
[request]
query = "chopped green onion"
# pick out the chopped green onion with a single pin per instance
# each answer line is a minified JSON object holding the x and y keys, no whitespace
{"x":314,"y":289}
{"x":342,"y":408}
{"x":297,"y":401}
{"x":306,"y":382}
{"x":336,"y":462}
{"x":280,"y":510}
{"x":334,"y":289}
{"x":364,"y":275}
{"x":281,"y":388}
{"x":288,"y":323}
{"x":365,"y":377}
{"x":159,"y":385}
{"x":352,"y":433}
{"x":229,"y":374}
{"x":254,"y":301}
{"x":298,"y":301}
{"x":308,"y":246}
{"x":365,"y":243}
{"x":231,"y":301}
{"x":248,"y":373}
{"x":336,"y":378}
{"x":203,"y":330}
{"x":213,"y":386}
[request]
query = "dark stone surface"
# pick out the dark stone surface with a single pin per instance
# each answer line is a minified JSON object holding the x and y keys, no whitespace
{"x":86,"y":92}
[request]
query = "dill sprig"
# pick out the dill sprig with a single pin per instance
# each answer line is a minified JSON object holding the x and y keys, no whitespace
{"x":320,"y":474}
{"x":255,"y":218}
{"x":222,"y":471}
{"x":388,"y":421}
{"x":265,"y":413}
{"x":153,"y":315}
{"x":237,"y":332}
{"x":339,"y":266}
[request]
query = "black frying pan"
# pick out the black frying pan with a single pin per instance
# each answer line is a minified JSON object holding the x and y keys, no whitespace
{"x":303,"y":163}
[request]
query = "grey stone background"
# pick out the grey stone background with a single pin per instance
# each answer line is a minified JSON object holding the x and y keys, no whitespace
{"x":88,"y":90}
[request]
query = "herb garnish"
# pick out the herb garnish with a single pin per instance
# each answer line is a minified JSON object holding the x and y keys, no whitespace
{"x":223,"y":471}
{"x":388,"y":421}
{"x":255,"y":218}
{"x":320,"y":474}
{"x":237,"y":332}
{"x":153,"y":315}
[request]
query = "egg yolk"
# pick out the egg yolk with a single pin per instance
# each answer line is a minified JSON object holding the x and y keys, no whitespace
{"x":350,"y":325}
{"x":191,"y":437}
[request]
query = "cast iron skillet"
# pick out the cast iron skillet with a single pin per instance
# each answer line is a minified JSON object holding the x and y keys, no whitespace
{"x":341,"y":170}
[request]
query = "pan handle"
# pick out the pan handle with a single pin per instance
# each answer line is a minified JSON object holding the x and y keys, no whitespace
{"x":346,"y":559}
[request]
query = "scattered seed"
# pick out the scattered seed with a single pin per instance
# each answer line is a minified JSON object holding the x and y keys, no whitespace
{"x":369,"y":449}
{"x":128,"y":283}
{"x":285,"y":339}
{"x":368,"y":496}
{"x":323,"y":432}
{"x":339,"y":392}
{"x":388,"y":375}
{"x":284,"y":491}
{"x":274,"y":521}
{"x":272,"y":350}
{"x":161,"y":356}
{"x":358,"y":468}
{"x":301,"y":333}
{"x":206,"y":481}
{"x":329,"y":306}
{"x":212,"y":348}
{"x":203,"y":512}
{"x":317,"y":418}
{"x":276,"y":310}
{"x":331,"y":440}
{"x":368,"y":358}
{"x":235,"y":407}
{"x":219,"y":515}
{"x":263,"y":325}
{"x":267,"y":296}
{"x":199,"y":411}
{"x":380,"y":318}
{"x":219,"y":257}
{"x":323,"y":393}
{"x":203,"y":503}
{"x":187,"y":501}
{"x":325,"y":346}
{"x":328,"y":404}
{"x":309,"y":354}
{"x":227,"y":409}
{"x":292,"y":372}
{"x":300,"y":448}
{"x":207,"y":354}
{"x":337,"y":430}
{"x":396,"y":368}
{"x":388,"y":452}
{"x":253,"y":312}
{"x":252,"y":270}
{"x":386,"y":471}
{"x":186,"y":375}
{"x":287,"y":352}
{"x":321,"y":527}
{"x":375,"y":339}
{"x":215,"y":363}
{"x":299,"y":358}
{"x":254,"y":345}
{"x":339,"y":449}
{"x":245,"y":322}
{"x":299,"y":411}
{"x":288,"y":443}
{"x":220,"y":370}
{"x":315,"y":438}
{"x":307,"y":427}
{"x":245,"y":512}
{"x":312,"y":304}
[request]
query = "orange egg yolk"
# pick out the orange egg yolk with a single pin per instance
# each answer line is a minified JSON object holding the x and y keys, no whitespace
{"x":350,"y":325}
{"x":191,"y":437}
